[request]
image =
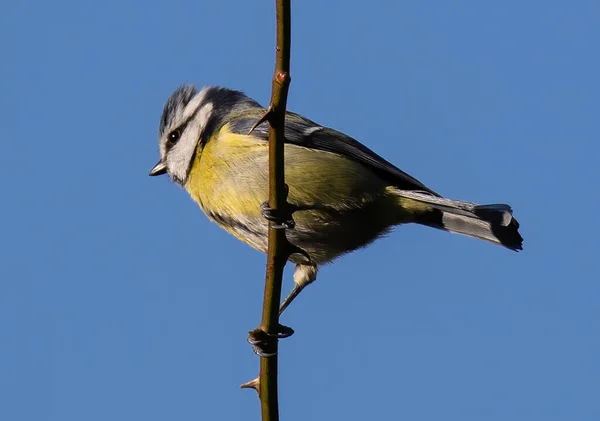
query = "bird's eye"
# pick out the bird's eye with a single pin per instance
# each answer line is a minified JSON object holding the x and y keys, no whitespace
{"x":174,"y":136}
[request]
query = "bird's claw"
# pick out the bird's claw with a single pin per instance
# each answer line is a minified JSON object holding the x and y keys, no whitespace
{"x":265,"y":344}
{"x":282,"y":218}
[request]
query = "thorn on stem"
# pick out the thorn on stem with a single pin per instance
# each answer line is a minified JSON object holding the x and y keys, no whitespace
{"x":252,"y":384}
{"x":265,"y":117}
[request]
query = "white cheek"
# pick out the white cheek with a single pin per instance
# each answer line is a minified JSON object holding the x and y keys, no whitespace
{"x":179,"y":158}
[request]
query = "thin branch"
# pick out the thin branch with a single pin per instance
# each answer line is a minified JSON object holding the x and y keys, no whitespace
{"x":277,"y":253}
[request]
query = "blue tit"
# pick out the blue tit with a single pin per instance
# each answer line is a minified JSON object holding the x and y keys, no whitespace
{"x":345,"y":196}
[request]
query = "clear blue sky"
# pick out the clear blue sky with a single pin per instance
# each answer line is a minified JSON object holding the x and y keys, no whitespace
{"x":120,"y":300}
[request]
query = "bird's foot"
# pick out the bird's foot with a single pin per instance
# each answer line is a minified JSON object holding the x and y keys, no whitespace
{"x":265,"y":344}
{"x":282,"y":218}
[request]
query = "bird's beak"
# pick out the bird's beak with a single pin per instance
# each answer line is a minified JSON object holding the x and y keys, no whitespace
{"x":159,"y":169}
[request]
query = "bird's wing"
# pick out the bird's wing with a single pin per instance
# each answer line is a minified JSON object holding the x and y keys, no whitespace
{"x":303,"y":132}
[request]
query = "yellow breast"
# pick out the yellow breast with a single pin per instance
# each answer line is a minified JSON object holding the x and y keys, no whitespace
{"x":229,"y":180}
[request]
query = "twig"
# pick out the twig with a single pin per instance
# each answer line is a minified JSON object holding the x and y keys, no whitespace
{"x":278,"y":251}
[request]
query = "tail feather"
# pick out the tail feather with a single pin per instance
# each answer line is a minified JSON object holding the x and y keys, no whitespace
{"x":493,"y":223}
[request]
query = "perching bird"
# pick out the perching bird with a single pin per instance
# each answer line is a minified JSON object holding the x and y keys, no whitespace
{"x":345,"y":196}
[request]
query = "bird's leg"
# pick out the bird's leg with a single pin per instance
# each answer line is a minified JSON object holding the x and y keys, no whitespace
{"x":283,"y":217}
{"x":262,"y":342}
{"x":303,"y":276}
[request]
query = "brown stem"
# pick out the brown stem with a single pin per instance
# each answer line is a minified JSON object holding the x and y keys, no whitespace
{"x":277,"y":249}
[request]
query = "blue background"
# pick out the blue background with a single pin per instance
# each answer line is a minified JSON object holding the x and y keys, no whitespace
{"x":120,"y":300}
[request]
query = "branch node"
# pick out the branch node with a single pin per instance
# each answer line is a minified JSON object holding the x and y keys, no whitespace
{"x":282,"y":77}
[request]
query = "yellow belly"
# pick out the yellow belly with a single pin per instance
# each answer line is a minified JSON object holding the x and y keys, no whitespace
{"x":229,"y":180}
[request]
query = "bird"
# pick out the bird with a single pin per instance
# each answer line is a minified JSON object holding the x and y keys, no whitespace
{"x":343,"y":195}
